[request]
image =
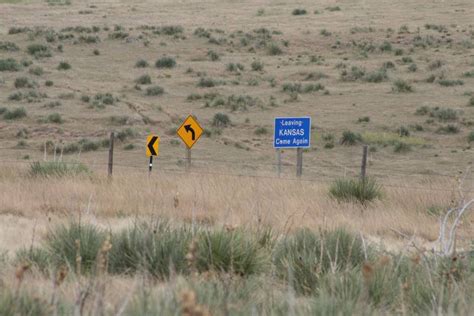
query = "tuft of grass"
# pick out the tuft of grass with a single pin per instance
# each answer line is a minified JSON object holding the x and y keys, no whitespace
{"x":213,"y":56}
{"x":401,"y":147}
{"x":9,"y":64}
{"x":355,"y":190}
{"x":470,"y":137}
{"x":165,"y":62}
{"x":54,"y":118}
{"x":303,"y":259}
{"x":261,"y":131}
{"x":57,"y":169}
{"x":448,"y":129}
{"x":257,"y":65}
{"x":143,"y":79}
{"x":8,"y":46}
{"x":333,"y":8}
{"x":350,"y":138}
{"x":299,"y":12}
{"x":24,"y":82}
{"x":401,"y":86}
{"x":141,"y":63}
{"x":450,"y":83}
{"x":154,"y":91}
{"x":14,"y":114}
{"x":37,"y":71}
{"x":471,"y":101}
{"x":38,"y":50}
{"x":221,"y":120}
{"x":274,"y":49}
{"x":64,"y":66}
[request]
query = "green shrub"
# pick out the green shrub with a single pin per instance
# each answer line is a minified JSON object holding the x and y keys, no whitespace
{"x":450,"y":83}
{"x":435,"y":64}
{"x":364,"y":119}
{"x":14,"y":114}
{"x":65,"y":243}
{"x":412,"y":68}
{"x":401,"y":147}
{"x":333,"y":8}
{"x":208,"y":83}
{"x":57,"y":169}
{"x":471,"y":101}
{"x":38,"y":50}
{"x":403,"y":131}
{"x":401,"y":86}
{"x":355,"y":190}
{"x":49,"y":83}
{"x":235,"y":67}
{"x":221,"y":120}
{"x":233,"y":251}
{"x":386,"y":46}
{"x":468,"y":74}
{"x":303,"y":258}
{"x":470,"y":137}
{"x":154,"y":91}
{"x":36,"y":257}
{"x":143,"y":79}
{"x":100,"y":100}
{"x":37,"y":71}
{"x":24,"y":82}
{"x":165,"y":62}
{"x":9,"y":46}
{"x":22,"y":303}
{"x":350,"y":138}
{"x":152,"y":247}
{"x":54,"y":118}
{"x":9,"y":64}
{"x":64,"y":66}
{"x":261,"y":131}
{"x":448,"y":129}
{"x":257,"y":65}
{"x":299,"y":12}
{"x":273,"y":50}
{"x":141,"y":63}
{"x":213,"y":56}
{"x":444,"y":114}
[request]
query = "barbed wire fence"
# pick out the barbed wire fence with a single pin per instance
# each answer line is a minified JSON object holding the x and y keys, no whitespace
{"x":325,"y":172}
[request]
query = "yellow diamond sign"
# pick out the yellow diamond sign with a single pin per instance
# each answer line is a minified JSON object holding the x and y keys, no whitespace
{"x":190,"y":131}
{"x":152,"y":145}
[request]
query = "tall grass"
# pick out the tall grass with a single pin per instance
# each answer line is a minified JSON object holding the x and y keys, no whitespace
{"x":57,"y":169}
{"x":357,"y":190}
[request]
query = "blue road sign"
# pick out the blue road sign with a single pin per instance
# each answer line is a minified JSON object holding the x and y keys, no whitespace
{"x":292,"y":132}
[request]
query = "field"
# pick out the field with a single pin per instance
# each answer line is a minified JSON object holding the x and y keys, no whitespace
{"x":231,"y":236}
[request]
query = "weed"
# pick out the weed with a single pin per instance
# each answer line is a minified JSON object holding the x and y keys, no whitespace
{"x":221,"y":120}
{"x":448,"y":129}
{"x":213,"y":56}
{"x":350,"y":138}
{"x":37,"y":71}
{"x":450,"y":83}
{"x":257,"y":65}
{"x":165,"y":62}
{"x":154,"y":91}
{"x":401,"y":147}
{"x":57,"y":169}
{"x":64,"y":66}
{"x":358,"y":190}
{"x":24,"y":82}
{"x":38,"y":50}
{"x":143,"y":79}
{"x":141,"y":63}
{"x":299,"y":12}
{"x":54,"y":118}
{"x":401,"y":86}
{"x":9,"y":46}
{"x":261,"y":131}
{"x":9,"y":64}
{"x":273,"y":50}
{"x":14,"y":114}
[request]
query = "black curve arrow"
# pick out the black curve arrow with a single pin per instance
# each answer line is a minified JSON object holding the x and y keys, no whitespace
{"x":188,"y":129}
{"x":150,"y":145}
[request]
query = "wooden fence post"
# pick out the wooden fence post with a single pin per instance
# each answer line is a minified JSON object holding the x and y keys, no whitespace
{"x":299,"y":162}
{"x":363,"y":167}
{"x":111,"y":154}
{"x":278,"y":152}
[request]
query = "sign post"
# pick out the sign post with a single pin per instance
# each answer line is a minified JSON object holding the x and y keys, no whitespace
{"x":152,"y":149}
{"x":189,"y":132}
{"x":292,"y":132}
